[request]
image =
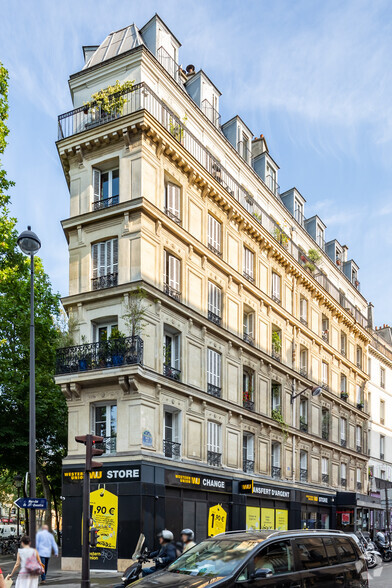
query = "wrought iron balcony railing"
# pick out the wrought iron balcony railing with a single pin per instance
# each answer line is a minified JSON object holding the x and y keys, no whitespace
{"x":303,"y":475}
{"x":214,"y":250}
{"x":211,"y":113}
{"x":249,"y":277}
{"x":248,"y":404}
{"x":171,"y":372}
{"x":343,"y":442}
{"x":214,"y":390}
{"x":248,"y":339}
{"x":214,"y":318}
{"x":214,"y":458}
{"x":248,"y":466}
{"x":325,"y":336}
{"x":172,"y":292}
{"x":325,"y":478}
{"x":108,"y":281}
{"x":276,"y":299}
{"x":303,"y":320}
{"x":276,"y":472}
{"x":343,"y":482}
{"x":171,"y":449}
{"x":172,"y":215}
{"x":105,"y":202}
{"x":108,"y":445}
{"x":140,"y":98}
{"x":169,"y":64}
{"x":105,"y":354}
{"x":359,"y":448}
{"x":303,"y":427}
{"x":359,"y":486}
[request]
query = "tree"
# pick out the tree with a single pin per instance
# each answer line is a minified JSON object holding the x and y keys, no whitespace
{"x":51,"y":410}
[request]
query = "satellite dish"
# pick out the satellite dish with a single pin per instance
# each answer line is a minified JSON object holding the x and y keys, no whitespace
{"x":316,"y":391}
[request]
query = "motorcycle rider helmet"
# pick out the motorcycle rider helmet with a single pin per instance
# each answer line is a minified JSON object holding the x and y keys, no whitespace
{"x":189,"y":533}
{"x":166,"y":535}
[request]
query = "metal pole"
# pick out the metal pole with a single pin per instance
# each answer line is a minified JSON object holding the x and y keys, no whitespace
{"x":17,"y":517}
{"x":86,"y":519}
{"x":32,"y":441}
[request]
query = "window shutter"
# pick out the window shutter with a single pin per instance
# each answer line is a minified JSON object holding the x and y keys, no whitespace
{"x":174,"y":272}
{"x":97,"y":184}
{"x":176,"y":352}
{"x":102,"y":264}
{"x":109,"y":259}
{"x":115,"y":256}
{"x":94,"y":254}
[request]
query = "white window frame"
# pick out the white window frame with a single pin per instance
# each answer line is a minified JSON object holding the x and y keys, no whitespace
{"x":276,"y":285}
{"x":214,"y":236}
{"x":325,"y":466}
{"x":175,"y":349}
{"x":97,"y":184}
{"x":248,"y":323}
{"x":298,"y":208}
{"x":173,"y":200}
{"x":324,"y":372}
{"x":274,"y":397}
{"x":214,"y":299}
{"x":214,"y":437}
{"x":359,"y":393}
{"x":175,"y":427}
{"x":303,"y":410}
{"x":303,"y":460}
{"x":109,"y":326}
{"x":382,"y":445}
{"x":303,"y":355}
{"x":382,"y":378}
{"x":249,"y":262}
{"x":319,"y":236}
{"x":343,"y":429}
{"x":358,"y":435}
{"x":108,"y":424}
{"x":104,"y":258}
{"x":303,"y":309}
{"x":214,"y":368}
{"x":172,"y":272}
{"x":343,"y":383}
{"x":270,"y":176}
{"x":276,"y":454}
{"x":248,"y":446}
{"x":343,"y":471}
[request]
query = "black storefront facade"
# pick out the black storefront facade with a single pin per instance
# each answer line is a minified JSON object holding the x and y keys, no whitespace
{"x":151,"y":497}
{"x":359,"y":512}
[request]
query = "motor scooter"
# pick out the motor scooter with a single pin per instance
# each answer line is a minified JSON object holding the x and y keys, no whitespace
{"x":133,"y":572}
{"x":385,"y":549}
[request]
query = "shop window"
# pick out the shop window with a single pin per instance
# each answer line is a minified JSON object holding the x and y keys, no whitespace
{"x":248,"y":453}
{"x":303,"y":311}
{"x":214,"y":238}
{"x":303,"y":415}
{"x":172,"y":276}
{"x":171,"y":353}
{"x":173,"y":201}
{"x":214,"y":303}
{"x":171,"y":441}
{"x":105,"y":425}
{"x":275,"y":461}
{"x":248,"y":386}
{"x":214,"y":372}
{"x":248,"y":326}
{"x":214,"y":444}
{"x":303,"y":466}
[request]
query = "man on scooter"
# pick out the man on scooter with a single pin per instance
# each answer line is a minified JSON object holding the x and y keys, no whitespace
{"x":163,"y":556}
{"x":187,"y":536}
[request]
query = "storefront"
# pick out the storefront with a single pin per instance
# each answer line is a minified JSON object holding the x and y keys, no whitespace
{"x":359,"y":512}
{"x":317,"y":510}
{"x":265,"y":506}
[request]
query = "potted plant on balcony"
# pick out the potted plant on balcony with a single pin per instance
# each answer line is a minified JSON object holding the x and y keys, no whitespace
{"x":84,"y":356}
{"x":109,"y":101}
{"x":281,"y":236}
{"x":276,"y":342}
{"x":278,"y":417}
{"x":117,"y":347}
{"x":360,"y":405}
{"x":257,"y":216}
{"x":314,"y":257}
{"x":344,"y":395}
{"x":136,"y":312}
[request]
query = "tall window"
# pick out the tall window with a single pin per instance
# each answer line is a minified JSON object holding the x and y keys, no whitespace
{"x":276,"y":342}
{"x":214,"y":369}
{"x":369,"y":367}
{"x":325,"y":470}
{"x":276,"y":286}
{"x":320,"y":236}
{"x":325,"y":423}
{"x":214,"y":443}
{"x":248,"y":388}
{"x":248,"y":453}
{"x":324,"y":373}
{"x":343,"y":475}
{"x":103,"y":332}
{"x":325,"y":328}
{"x":275,"y":460}
{"x":249,"y":326}
{"x":382,"y":446}
{"x":343,"y":343}
{"x":343,"y":432}
{"x":299,"y":212}
{"x":359,"y":356}
{"x":271,"y":178}
{"x":249,"y":264}
{"x":105,"y":425}
{"x":358,"y":437}
{"x":214,"y":303}
{"x":171,"y":354}
{"x":358,"y":394}
{"x":214,"y":239}
{"x":105,"y":264}
{"x":343,"y":385}
{"x":382,"y":412}
{"x":303,"y":361}
{"x":359,"y":479}
{"x":172,"y":275}
{"x":106,"y":188}
{"x":171,"y":441}
{"x":276,"y":396}
{"x":303,"y":466}
{"x":303,"y":415}
{"x":303,"y":310}
{"x":173,"y":202}
{"x":382,"y":377}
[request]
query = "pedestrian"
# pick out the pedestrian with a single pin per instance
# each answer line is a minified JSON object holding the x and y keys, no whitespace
{"x":187,"y":536}
{"x":2,"y":582}
{"x":30,"y":565}
{"x":45,"y":545}
{"x":163,"y":556}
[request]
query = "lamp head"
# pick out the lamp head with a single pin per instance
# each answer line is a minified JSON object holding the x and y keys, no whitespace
{"x":29,"y":242}
{"x":18,"y":481}
{"x":316,"y":391}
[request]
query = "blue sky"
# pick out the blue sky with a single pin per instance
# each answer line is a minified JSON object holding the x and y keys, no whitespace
{"x":314,"y":77}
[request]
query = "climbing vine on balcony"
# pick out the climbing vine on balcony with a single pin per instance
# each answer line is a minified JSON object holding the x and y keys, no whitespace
{"x":112,"y":99}
{"x":278,"y":417}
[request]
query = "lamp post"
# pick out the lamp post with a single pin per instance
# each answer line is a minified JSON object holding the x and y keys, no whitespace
{"x":18,"y":481}
{"x":29,"y":245}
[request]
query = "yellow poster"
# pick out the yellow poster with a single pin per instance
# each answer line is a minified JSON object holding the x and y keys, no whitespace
{"x":281,"y":520}
{"x":252,"y":518}
{"x":216,"y":520}
{"x":268,"y":518}
{"x":104,"y":513}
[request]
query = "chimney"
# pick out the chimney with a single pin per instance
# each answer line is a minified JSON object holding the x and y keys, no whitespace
{"x":344,"y":253}
{"x":370,"y":317}
{"x":88,"y":51}
{"x":190,"y":70}
{"x":259,"y":145}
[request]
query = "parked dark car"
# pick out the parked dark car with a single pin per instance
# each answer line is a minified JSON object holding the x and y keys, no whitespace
{"x":279,"y":559}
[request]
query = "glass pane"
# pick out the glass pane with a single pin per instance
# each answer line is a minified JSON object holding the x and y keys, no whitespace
{"x":102,"y":334}
{"x":277,"y":557}
{"x":115,"y":183}
{"x":113,"y":420}
{"x":331,"y":552}
{"x":312,"y":553}
{"x":104,"y":185}
{"x":345,"y":550}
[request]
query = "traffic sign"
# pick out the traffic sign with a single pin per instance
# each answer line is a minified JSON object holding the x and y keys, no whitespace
{"x":37,"y":503}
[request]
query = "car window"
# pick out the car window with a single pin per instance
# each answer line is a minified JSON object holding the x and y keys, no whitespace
{"x":345,"y":550}
{"x":312,"y":553}
{"x":331,"y":551}
{"x":277,"y":557}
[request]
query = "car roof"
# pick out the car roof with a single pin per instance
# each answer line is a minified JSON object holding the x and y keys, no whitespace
{"x":271,"y":534}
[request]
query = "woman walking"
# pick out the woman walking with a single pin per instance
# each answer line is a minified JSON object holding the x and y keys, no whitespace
{"x":30,"y":565}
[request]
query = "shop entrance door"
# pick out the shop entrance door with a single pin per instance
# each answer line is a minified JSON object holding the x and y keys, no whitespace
{"x":195,"y":516}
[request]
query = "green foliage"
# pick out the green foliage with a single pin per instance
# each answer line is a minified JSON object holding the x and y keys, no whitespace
{"x":176,"y":129}
{"x":280,"y":235}
{"x":276,"y":341}
{"x":278,"y":417}
{"x":136,"y":312}
{"x":314,"y":257}
{"x":112,"y":99}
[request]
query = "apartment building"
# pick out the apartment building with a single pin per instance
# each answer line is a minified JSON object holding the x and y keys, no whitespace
{"x":221,"y":341}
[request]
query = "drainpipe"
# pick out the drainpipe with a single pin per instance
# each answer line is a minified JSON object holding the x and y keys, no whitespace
{"x":293,"y":405}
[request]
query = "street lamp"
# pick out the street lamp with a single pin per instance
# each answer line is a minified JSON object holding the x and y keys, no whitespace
{"x":316,"y":391}
{"x":18,"y":481}
{"x":29,"y":245}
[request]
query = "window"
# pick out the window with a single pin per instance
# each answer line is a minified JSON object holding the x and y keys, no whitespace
{"x":320,"y":236}
{"x":248,"y":383}
{"x":344,"y":549}
{"x":358,"y":437}
{"x":103,"y":332}
{"x":214,"y":443}
{"x":299,"y":212}
{"x":214,"y":367}
{"x":343,"y":475}
{"x":276,"y":288}
{"x":248,"y":453}
{"x":105,"y":264}
{"x":303,"y":466}
{"x":276,"y":396}
{"x":303,"y":415}
{"x":275,"y":460}
{"x":303,"y":311}
{"x":325,"y":470}
{"x":277,"y":557}
{"x":271,"y":178}
{"x":171,"y":440}
{"x":382,"y":377}
{"x":343,"y":432}
{"x":325,"y":328}
{"x":358,"y":394}
{"x":359,"y":479}
{"x":303,"y":361}
{"x":325,"y":420}
{"x":343,"y":386}
{"x":172,"y":276}
{"x":382,"y":474}
{"x":173,"y":202}
{"x":249,"y":327}
{"x":324,"y":373}
{"x":382,"y":446}
{"x":382,"y":412}
{"x":171,"y":353}
{"x":214,"y":303}
{"x":359,"y":357}
{"x":312,"y":553}
{"x":105,"y":425}
{"x":343,"y":343}
{"x":249,"y":264}
{"x":106,"y":188}
{"x":214,"y":238}
{"x":276,"y":342}
{"x":369,"y":367}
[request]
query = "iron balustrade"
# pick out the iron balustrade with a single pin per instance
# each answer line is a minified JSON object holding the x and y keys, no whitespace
{"x":248,"y":404}
{"x":303,"y":371}
{"x":103,"y":354}
{"x":249,"y":277}
{"x":303,"y":475}
{"x":170,"y":65}
{"x":359,"y":448}
{"x":105,"y":203}
{"x":141,"y":97}
{"x":211,"y":113}
{"x":324,"y":336}
{"x":276,"y":299}
{"x":272,"y":184}
{"x":275,"y":472}
{"x":108,"y":445}
{"x":214,"y":318}
{"x":343,"y":442}
{"x":214,"y":458}
{"x":172,"y":292}
{"x":171,"y":372}
{"x":248,"y":466}
{"x":325,"y":478}
{"x":359,"y":486}
{"x":248,"y":339}
{"x":303,"y":426}
{"x":171,"y":449}
{"x":108,"y":281}
{"x":214,"y":250}
{"x":343,"y":482}
{"x":299,"y":217}
{"x":173,"y":216}
{"x":303,"y":321}
{"x":244,"y":151}
{"x":214,"y":390}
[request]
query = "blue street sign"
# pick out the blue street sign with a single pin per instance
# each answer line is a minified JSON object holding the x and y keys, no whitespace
{"x":39,"y":503}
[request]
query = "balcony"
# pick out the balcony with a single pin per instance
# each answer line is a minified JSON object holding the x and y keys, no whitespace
{"x":172,"y":68}
{"x":171,"y":372}
{"x":343,"y":482}
{"x":172,"y":292}
{"x":171,"y":449}
{"x":248,"y":466}
{"x":303,"y":475}
{"x":325,"y":478}
{"x":248,"y":339}
{"x":249,"y":277}
{"x":108,"y":281}
{"x":276,"y":299}
{"x":303,"y":320}
{"x":359,"y":486}
{"x":214,"y":390}
{"x":247,"y":401}
{"x":276,"y":472}
{"x":214,"y":318}
{"x":325,"y":336}
{"x":105,"y":354}
{"x":214,"y":250}
{"x":214,"y":458}
{"x":108,"y":445}
{"x":303,"y":370}
{"x":211,"y":113}
{"x":105,"y":203}
{"x":172,"y":216}
{"x":343,"y":442}
{"x":359,"y":448}
{"x":303,"y":426}
{"x":276,"y":354}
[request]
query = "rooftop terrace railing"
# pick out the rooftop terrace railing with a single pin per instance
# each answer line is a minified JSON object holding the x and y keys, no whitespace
{"x":211,"y":113}
{"x":141,"y":97}
{"x":169,"y":64}
{"x":381,"y":347}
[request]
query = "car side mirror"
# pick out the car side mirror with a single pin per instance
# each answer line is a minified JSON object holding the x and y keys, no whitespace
{"x":261,"y":573}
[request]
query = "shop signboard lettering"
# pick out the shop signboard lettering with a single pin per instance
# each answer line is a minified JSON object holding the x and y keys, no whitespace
{"x":252,"y":518}
{"x":267,"y":518}
{"x":250,"y":487}
{"x":217,"y":517}
{"x":197,"y":481}
{"x":106,"y":474}
{"x":104,"y":514}
{"x":310,"y":498}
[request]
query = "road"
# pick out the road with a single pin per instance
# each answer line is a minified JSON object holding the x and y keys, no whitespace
{"x":381,"y":576}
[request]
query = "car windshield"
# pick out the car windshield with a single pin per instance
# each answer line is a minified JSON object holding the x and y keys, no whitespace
{"x":213,"y":558}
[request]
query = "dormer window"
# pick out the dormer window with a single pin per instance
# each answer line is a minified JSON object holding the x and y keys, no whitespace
{"x":339,"y":256}
{"x":270,"y":178}
{"x":299,"y":212}
{"x":320,"y":236}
